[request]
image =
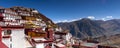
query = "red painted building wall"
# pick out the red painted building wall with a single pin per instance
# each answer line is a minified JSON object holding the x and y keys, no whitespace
{"x":2,"y":45}
{"x":50,"y":34}
{"x":0,"y":34}
{"x":1,"y":17}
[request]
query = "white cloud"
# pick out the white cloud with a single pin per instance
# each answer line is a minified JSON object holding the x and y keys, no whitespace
{"x":74,"y":19}
{"x":107,"y":18}
{"x":67,"y":20}
{"x":61,"y":21}
{"x":91,"y":17}
{"x":103,"y":19}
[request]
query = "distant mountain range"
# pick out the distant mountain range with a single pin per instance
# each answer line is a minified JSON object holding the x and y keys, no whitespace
{"x":85,"y":27}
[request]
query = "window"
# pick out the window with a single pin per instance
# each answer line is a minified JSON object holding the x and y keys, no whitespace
{"x":7,"y":32}
{"x":1,"y":11}
{"x":7,"y":15}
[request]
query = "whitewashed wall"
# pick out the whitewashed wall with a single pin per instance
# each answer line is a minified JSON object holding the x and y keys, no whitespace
{"x":40,"y":45}
{"x":18,"y":38}
{"x":6,"y":41}
{"x":68,"y":36}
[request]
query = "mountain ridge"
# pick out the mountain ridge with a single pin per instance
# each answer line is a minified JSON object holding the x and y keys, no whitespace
{"x":92,"y":28}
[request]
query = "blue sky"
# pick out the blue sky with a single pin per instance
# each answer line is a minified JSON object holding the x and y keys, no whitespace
{"x":68,"y":10}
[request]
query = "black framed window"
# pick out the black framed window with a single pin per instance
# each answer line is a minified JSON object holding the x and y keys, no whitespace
{"x":7,"y":32}
{"x":1,"y":11}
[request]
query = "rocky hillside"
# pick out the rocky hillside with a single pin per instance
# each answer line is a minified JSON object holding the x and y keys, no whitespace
{"x":30,"y":11}
{"x":85,"y":28}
